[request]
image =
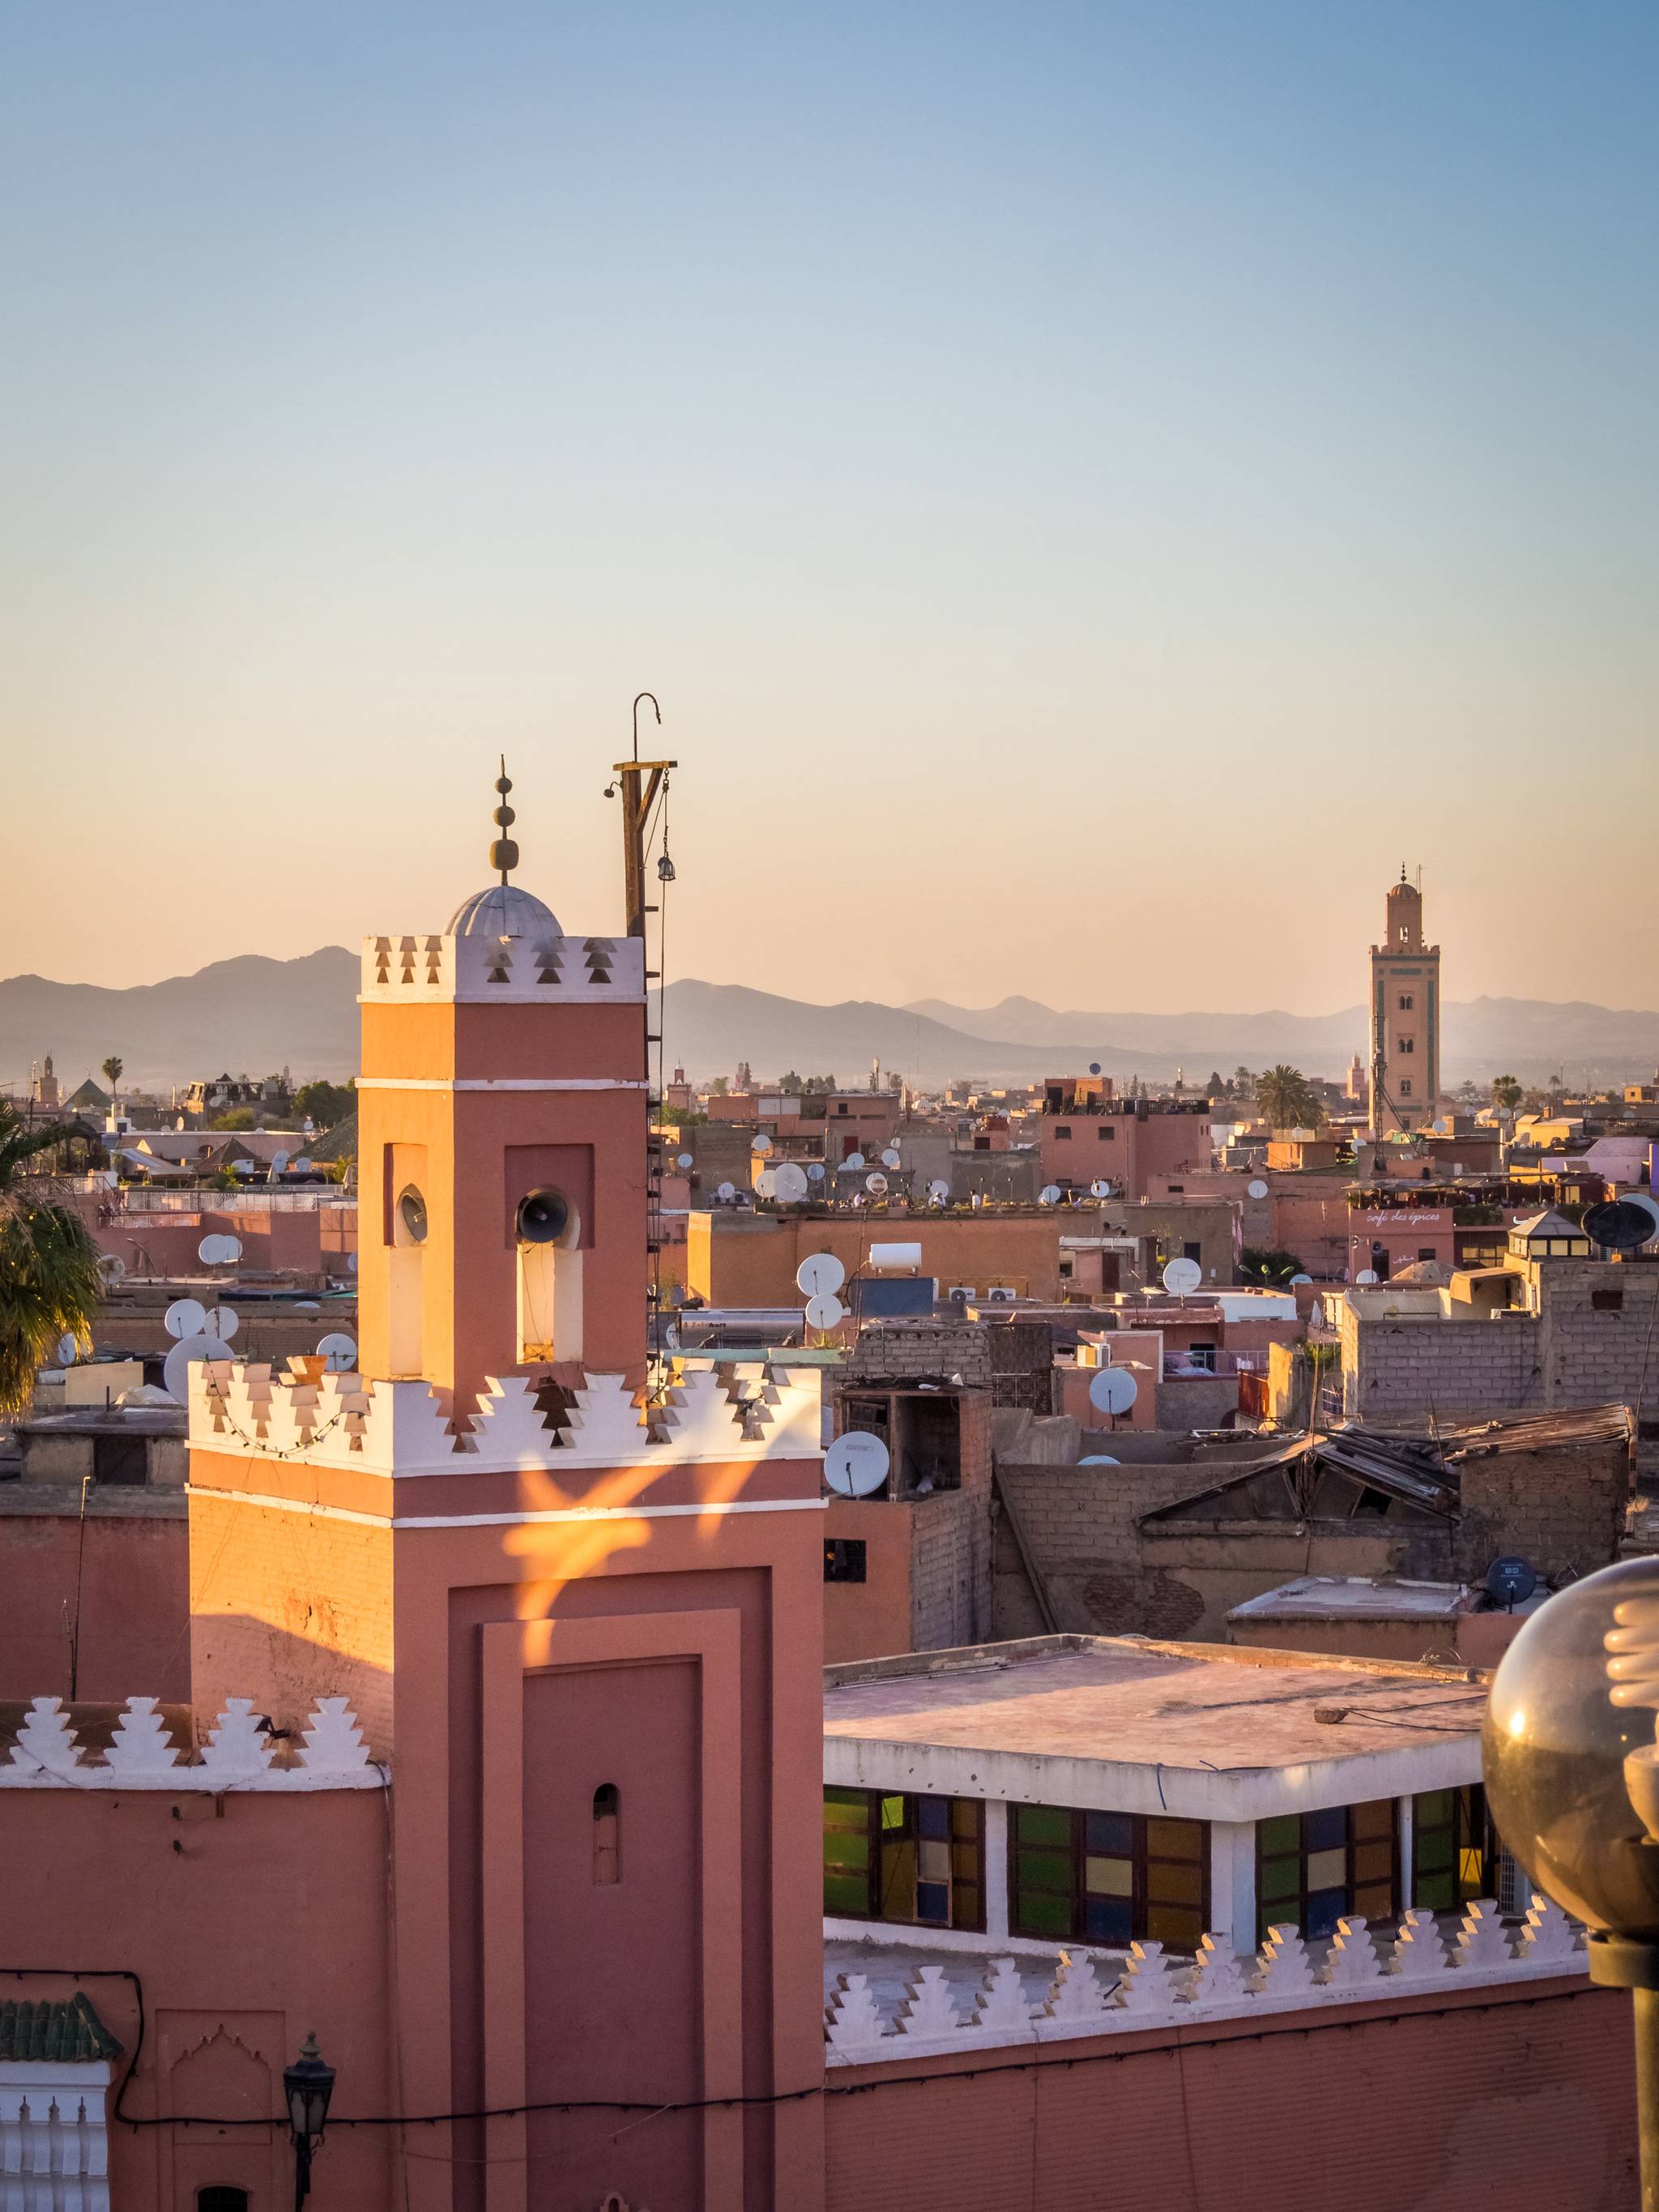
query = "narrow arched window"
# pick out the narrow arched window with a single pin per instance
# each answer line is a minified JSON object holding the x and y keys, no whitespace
{"x":607,"y":1833}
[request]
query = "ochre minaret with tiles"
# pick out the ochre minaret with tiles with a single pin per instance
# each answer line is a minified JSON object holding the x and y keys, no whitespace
{"x":1405,"y":1018}
{"x":575,"y":1602}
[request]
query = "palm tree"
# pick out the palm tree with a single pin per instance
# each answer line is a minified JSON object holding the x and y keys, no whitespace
{"x":1507,"y":1093}
{"x":112,"y":1072}
{"x":1286,"y":1100}
{"x":49,"y":1283}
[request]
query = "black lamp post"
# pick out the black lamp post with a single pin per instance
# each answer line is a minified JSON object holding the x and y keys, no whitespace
{"x":308,"y":2084}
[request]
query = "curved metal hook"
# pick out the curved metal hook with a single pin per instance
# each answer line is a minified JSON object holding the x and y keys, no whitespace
{"x":655,"y":709}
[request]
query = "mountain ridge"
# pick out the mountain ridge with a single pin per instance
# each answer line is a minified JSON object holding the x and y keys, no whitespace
{"x":254,"y":1014}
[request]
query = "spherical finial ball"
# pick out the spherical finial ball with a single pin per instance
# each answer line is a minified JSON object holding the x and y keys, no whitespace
{"x":1553,"y":1748}
{"x":503,"y":783}
{"x":505,"y":816}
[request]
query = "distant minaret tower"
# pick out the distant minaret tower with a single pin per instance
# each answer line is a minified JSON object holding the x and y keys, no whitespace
{"x":1405,"y":1016}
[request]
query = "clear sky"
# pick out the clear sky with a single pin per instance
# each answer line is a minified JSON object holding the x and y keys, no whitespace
{"x":1095,"y":487}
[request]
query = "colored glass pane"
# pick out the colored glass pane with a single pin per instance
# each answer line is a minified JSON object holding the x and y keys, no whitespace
{"x":1280,"y":1878}
{"x":1327,"y":1869}
{"x":1045,"y":1871}
{"x":932,"y":1859}
{"x":1325,"y":1830}
{"x":1175,"y":1885}
{"x":1373,"y":1862}
{"x":892,"y":1812}
{"x":1276,"y":1837}
{"x":1175,"y":1839}
{"x":845,"y":1894}
{"x":844,"y":1850}
{"x":1375,"y":1902}
{"x":1435,"y":1892}
{"x":1104,"y":1877}
{"x":932,"y":1816}
{"x":933,"y":1901}
{"x":1108,"y":1920}
{"x":1434,"y":1850}
{"x":1042,"y":1915}
{"x":1113,"y":1833}
{"x":965,"y":1819}
{"x":1369,"y":1822}
{"x":1043,"y":1824}
{"x":1325,"y":1908}
{"x":1433,"y":1809}
{"x":1180,"y":1930}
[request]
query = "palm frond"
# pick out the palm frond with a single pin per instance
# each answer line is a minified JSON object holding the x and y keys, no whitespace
{"x":49,"y":1288}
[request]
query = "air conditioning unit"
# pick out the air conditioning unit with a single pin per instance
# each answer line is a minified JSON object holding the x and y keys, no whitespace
{"x":959,"y":1293}
{"x":999,"y":1296}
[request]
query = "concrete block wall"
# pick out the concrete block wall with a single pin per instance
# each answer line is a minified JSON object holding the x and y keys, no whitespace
{"x":904,"y":1351}
{"x":1562,"y":1510}
{"x":1079,"y":1523}
{"x":951,"y":1545}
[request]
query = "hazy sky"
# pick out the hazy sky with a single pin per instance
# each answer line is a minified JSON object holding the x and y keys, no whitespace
{"x":1094,"y":487}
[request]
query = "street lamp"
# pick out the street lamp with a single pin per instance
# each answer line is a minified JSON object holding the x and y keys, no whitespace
{"x":308,"y":2084}
{"x":1572,"y":1771}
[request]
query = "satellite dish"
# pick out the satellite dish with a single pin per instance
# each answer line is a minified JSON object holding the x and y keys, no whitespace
{"x":1301,"y":1279}
{"x":825,"y":1312}
{"x":68,"y":1351}
{"x":1366,"y":1277}
{"x":1181,"y":1276}
{"x":1618,"y":1227}
{"x":223,"y":1322}
{"x":1094,"y":1067}
{"x":727,"y":1191}
{"x":1255,"y":1188}
{"x":875,"y":1183}
{"x":351,"y":1263}
{"x":766,"y":1183}
{"x":890,"y":1156}
{"x":302,"y":1165}
{"x":684,"y":1160}
{"x":112,"y":1266}
{"x":854,"y":1160}
{"x":789,"y":1181}
{"x":1510,"y":1580}
{"x":762,"y":1144}
{"x":278,"y":1161}
{"x":856,"y":1464}
{"x":1099,"y":1458}
{"x":175,"y":1369}
{"x":939,"y":1191}
{"x":1113,"y":1391}
{"x":185,"y":1316}
{"x":1648,"y":1204}
{"x":1049,"y":1194}
{"x":815,"y":1170}
{"x":340,"y":1351}
{"x":1100,"y":1187}
{"x":819,"y":1275}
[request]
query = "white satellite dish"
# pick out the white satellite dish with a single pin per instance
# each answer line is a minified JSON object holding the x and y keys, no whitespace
{"x":854,"y":1160}
{"x":112,"y":1266}
{"x":1181,"y":1276}
{"x":1113,"y":1391}
{"x":684,"y":1160}
{"x":1300,"y":1279}
{"x":766,"y":1183}
{"x":1099,"y":1458}
{"x":1100,"y":1187}
{"x":825,"y":1312}
{"x":1366,"y":1277}
{"x":1049,"y":1194}
{"x":890,"y":1156}
{"x":762,"y":1144}
{"x":875,"y":1183}
{"x":175,"y":1369}
{"x":223,"y":1322}
{"x":939,"y":1191}
{"x":819,"y":1275}
{"x":1255,"y":1188}
{"x":302,"y":1165}
{"x":184,"y":1317}
{"x":339,"y":1350}
{"x":815,"y":1170}
{"x":789,"y":1180}
{"x":351,"y":1263}
{"x":856,"y":1464}
{"x":68,"y":1351}
{"x":727,"y":1191}
{"x":278,"y":1161}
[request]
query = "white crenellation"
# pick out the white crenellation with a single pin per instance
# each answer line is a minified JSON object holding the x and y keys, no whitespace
{"x":1482,"y":1940}
{"x":141,"y":1744}
{"x":927,"y":2009}
{"x":237,"y":1748}
{"x":1419,"y":1948}
{"x":572,"y":971}
{"x":403,"y":1428}
{"x":1216,"y":1986}
{"x":237,"y":1754}
{"x":54,"y":2140}
{"x":333,"y":1740}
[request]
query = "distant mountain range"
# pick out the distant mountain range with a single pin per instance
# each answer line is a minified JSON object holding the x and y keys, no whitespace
{"x":254,"y":1016}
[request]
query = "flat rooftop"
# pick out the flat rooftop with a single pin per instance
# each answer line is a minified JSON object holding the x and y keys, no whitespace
{"x":1354,"y":1597}
{"x":1204,"y":1730}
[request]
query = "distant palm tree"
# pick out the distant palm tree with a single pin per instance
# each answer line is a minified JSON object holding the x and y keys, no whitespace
{"x":49,"y":1283}
{"x":1285,"y":1099}
{"x":1507,"y":1093}
{"x":113,"y":1073}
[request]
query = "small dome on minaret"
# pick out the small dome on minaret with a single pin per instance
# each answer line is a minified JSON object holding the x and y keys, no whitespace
{"x":503,"y":910}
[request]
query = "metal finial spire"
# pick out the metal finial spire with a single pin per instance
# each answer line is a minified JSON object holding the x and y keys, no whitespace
{"x":503,"y":853}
